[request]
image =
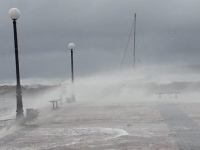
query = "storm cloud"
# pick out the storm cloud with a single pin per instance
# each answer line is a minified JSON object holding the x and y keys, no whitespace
{"x":167,"y":34}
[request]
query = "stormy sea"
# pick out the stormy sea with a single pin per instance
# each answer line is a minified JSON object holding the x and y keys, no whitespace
{"x":36,"y":94}
{"x":143,"y":85}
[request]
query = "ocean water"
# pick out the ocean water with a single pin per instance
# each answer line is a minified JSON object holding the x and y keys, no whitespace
{"x":33,"y":96}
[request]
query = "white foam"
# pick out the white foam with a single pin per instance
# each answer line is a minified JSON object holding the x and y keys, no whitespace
{"x":54,"y":137}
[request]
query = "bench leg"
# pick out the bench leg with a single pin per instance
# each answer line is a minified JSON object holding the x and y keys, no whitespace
{"x":53,"y":105}
{"x":56,"y":105}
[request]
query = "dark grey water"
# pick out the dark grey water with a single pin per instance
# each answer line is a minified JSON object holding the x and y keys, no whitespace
{"x":30,"y":95}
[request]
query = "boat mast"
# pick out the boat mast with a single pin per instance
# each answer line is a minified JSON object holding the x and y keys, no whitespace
{"x":134,"y":40}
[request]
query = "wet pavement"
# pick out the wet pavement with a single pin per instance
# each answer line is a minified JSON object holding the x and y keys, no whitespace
{"x":121,"y":126}
{"x":185,"y":130}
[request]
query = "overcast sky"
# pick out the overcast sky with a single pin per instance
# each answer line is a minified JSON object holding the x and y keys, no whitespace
{"x":168,"y":33}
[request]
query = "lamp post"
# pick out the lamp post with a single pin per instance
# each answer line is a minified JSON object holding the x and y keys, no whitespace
{"x":71,"y":47}
{"x":14,"y":14}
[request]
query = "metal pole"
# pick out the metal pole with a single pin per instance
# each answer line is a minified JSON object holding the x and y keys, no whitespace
{"x":73,"y":99}
{"x":134,"y":39}
{"x":20,"y":112}
{"x":60,"y":93}
{"x":72,"y":66}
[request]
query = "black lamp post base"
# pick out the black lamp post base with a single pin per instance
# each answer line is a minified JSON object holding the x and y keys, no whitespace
{"x":19,"y":118}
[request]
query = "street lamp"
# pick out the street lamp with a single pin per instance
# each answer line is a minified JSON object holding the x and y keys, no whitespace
{"x":14,"y":14}
{"x":71,"y":47}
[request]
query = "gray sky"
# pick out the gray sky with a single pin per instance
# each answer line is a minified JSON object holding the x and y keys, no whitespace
{"x":170,"y":29}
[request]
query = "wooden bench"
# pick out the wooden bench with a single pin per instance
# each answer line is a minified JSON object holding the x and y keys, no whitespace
{"x":176,"y":93}
{"x":54,"y":102}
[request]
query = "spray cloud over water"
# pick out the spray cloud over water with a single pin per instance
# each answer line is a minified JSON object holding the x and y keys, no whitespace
{"x":125,"y":86}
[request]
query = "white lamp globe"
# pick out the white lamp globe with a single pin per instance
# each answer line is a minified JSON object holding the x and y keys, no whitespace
{"x":14,"y":13}
{"x":71,"y":45}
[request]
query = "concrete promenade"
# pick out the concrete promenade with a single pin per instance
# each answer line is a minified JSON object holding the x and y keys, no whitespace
{"x":121,"y":126}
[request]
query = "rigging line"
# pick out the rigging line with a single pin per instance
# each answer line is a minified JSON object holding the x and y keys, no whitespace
{"x":142,"y":35}
{"x":127,"y":45}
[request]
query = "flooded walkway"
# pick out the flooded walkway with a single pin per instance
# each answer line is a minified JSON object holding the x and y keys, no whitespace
{"x":124,"y":126}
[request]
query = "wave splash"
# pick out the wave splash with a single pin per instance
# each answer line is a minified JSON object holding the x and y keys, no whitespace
{"x":45,"y":138}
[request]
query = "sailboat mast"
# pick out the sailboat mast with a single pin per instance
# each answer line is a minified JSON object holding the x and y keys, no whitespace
{"x":134,"y":40}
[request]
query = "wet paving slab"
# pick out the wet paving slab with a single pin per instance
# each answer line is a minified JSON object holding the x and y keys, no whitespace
{"x":184,"y":129}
